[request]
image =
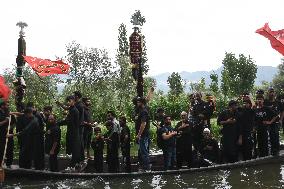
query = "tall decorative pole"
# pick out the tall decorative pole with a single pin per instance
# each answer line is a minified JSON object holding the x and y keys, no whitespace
{"x":136,"y":57}
{"x":20,"y":82}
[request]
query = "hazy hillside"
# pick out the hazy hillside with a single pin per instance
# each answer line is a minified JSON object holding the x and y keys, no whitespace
{"x":264,"y":73}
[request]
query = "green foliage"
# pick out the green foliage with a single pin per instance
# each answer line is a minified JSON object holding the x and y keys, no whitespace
{"x":123,"y":46}
{"x":278,"y":80}
{"x":214,"y":85}
{"x":175,"y":83}
{"x":173,"y":105}
{"x":93,"y":74}
{"x":137,"y":18}
{"x":199,"y":86}
{"x":238,"y":74}
{"x":41,"y":91}
{"x":125,"y":85}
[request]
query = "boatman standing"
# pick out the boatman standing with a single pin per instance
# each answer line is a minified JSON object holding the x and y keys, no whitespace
{"x":143,"y":135}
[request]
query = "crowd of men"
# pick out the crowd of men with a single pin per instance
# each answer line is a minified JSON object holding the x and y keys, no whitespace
{"x":248,"y":130}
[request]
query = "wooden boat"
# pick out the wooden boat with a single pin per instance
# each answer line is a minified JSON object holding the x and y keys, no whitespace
{"x":157,"y":169}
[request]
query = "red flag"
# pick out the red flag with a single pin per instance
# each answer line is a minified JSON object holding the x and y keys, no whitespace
{"x":45,"y":67}
{"x":276,"y":37}
{"x":4,"y":89}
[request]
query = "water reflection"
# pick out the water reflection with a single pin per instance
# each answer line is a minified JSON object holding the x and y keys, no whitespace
{"x":264,"y":176}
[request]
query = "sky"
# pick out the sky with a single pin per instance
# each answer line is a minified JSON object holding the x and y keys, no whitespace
{"x":181,"y":35}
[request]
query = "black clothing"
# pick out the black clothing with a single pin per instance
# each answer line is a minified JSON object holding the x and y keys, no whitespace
{"x":125,"y":147}
{"x":183,"y":145}
{"x":52,"y":136}
{"x":10,"y":144}
{"x":246,"y":117}
{"x":275,"y":106}
{"x":30,"y":147}
{"x":160,"y":120}
{"x":112,"y":151}
{"x":171,"y":142}
{"x":209,"y":110}
{"x":73,"y":142}
{"x":169,"y":148}
{"x":80,"y":106}
{"x":200,"y":112}
{"x":143,"y":116}
{"x":40,"y":141}
{"x":88,"y":130}
{"x":98,"y":147}
{"x":263,"y":114}
{"x":230,"y":136}
{"x":273,"y":129}
{"x":210,"y":150}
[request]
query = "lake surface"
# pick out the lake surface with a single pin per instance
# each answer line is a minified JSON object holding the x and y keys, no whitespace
{"x":264,"y":176}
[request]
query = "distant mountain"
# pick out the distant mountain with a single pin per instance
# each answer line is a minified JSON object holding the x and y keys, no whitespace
{"x":264,"y":73}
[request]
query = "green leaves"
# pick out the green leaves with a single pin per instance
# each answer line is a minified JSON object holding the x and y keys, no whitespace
{"x":238,"y":75}
{"x":175,"y":83}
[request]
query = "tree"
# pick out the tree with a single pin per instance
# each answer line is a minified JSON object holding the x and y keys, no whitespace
{"x":175,"y":83}
{"x":199,"y":86}
{"x":138,"y":19}
{"x":94,"y":75}
{"x":238,"y":74}
{"x":125,"y":86}
{"x":278,"y":80}
{"x":214,"y":86}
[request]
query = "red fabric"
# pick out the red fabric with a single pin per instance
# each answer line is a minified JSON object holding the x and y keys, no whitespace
{"x":4,"y":89}
{"x":45,"y":67}
{"x":276,"y":38}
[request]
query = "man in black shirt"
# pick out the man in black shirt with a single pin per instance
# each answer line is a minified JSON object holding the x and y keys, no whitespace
{"x":229,"y":119}
{"x":125,"y":143}
{"x":183,"y":141}
{"x":39,"y":159}
{"x":112,"y":140}
{"x":209,"y":147}
{"x":246,"y":117}
{"x":210,"y":106}
{"x":273,"y":129}
{"x":88,"y":125}
{"x":4,"y":121}
{"x":143,"y":136}
{"x":47,"y":111}
{"x":264,"y":117}
{"x":159,"y":123}
{"x":200,"y":115}
{"x":169,"y":147}
{"x":80,"y":107}
{"x":29,"y":135}
{"x":73,"y":142}
{"x":98,"y":147}
{"x":52,"y":142}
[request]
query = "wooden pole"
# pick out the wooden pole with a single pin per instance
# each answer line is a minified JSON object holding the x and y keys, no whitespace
{"x":2,"y":172}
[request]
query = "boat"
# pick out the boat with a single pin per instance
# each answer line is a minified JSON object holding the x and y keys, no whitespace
{"x":157,"y":169}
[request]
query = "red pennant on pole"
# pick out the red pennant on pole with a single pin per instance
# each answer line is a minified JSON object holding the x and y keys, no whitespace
{"x":5,"y":91}
{"x":276,"y":38}
{"x":45,"y":67}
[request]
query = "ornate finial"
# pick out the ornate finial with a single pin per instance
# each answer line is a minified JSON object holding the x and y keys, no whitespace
{"x":22,"y":25}
{"x":137,"y":18}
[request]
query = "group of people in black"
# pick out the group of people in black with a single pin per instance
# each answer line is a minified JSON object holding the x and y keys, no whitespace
{"x":39,"y":133}
{"x":248,"y":130}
